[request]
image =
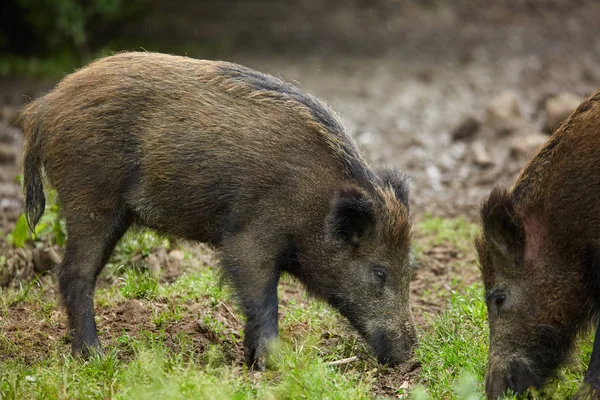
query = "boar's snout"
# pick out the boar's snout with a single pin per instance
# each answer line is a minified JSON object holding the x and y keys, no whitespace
{"x":515,"y":376}
{"x":393,"y":349}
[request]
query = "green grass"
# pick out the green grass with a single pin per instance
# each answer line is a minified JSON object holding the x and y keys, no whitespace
{"x":139,"y":285}
{"x":456,"y":345}
{"x":160,"y":361}
{"x":453,"y":354}
{"x":155,"y":372}
{"x":145,"y":366}
{"x":458,"y":232}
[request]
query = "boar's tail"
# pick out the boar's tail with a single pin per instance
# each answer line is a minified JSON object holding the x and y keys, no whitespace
{"x":35,"y":201}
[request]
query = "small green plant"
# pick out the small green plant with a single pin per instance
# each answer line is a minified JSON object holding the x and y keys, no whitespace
{"x":137,"y":244}
{"x":51,"y":228}
{"x":139,"y":285}
{"x":455,"y":231}
{"x":173,"y":313}
{"x":24,"y":292}
{"x":20,"y":232}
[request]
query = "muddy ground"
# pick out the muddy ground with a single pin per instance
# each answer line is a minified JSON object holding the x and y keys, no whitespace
{"x":459,"y":98}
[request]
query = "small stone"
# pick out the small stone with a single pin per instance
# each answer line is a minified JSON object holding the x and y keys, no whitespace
{"x":558,"y":107}
{"x":42,"y":260}
{"x":9,"y":190}
{"x":466,"y":129}
{"x":53,"y":255}
{"x":527,"y":145}
{"x":153,"y":265}
{"x":177,"y":255}
{"x":481,"y":156}
{"x":504,"y":114}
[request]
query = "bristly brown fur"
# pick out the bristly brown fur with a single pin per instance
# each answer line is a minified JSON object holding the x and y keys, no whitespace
{"x":398,"y":229}
{"x":499,"y":197}
{"x":539,"y":251}
{"x":528,"y":185}
{"x":214,"y":152}
{"x":263,"y":87}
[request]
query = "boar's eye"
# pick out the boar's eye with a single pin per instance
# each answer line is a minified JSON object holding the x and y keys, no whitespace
{"x":380,"y":273}
{"x":495,"y":300}
{"x":500,"y":300}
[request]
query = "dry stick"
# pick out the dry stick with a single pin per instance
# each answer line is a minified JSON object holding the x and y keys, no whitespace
{"x":230,"y":312}
{"x":342,"y":361}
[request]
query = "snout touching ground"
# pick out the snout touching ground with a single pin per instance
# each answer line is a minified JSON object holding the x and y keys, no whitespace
{"x":394,"y":348}
{"x":513,"y":376}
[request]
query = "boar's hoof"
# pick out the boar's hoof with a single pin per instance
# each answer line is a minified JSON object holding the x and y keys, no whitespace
{"x":258,"y":364}
{"x":586,"y":392}
{"x":87,"y":351}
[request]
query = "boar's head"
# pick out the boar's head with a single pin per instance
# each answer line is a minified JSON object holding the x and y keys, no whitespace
{"x":368,"y":253}
{"x":534,"y":292}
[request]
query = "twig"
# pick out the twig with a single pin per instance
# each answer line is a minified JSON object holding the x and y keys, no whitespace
{"x":230,"y":312}
{"x":342,"y":361}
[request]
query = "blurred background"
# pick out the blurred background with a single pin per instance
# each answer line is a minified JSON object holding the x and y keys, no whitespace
{"x":458,"y":93}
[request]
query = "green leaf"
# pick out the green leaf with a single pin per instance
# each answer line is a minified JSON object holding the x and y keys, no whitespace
{"x":59,"y":233}
{"x":21,"y":231}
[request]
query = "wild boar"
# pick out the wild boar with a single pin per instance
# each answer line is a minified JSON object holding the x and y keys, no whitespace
{"x":218,"y":153}
{"x":540,"y":258}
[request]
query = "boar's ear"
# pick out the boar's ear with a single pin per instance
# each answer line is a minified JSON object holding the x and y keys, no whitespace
{"x":351,"y":215}
{"x":397,"y":180}
{"x":502,"y":226}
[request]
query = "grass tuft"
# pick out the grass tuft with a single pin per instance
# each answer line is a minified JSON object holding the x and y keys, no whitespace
{"x":139,"y":285}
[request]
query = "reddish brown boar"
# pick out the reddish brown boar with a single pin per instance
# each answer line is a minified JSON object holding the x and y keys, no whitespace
{"x":540,"y":258}
{"x":218,"y":153}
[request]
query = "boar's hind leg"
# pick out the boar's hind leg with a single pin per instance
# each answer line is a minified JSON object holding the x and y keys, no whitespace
{"x":91,"y":239}
{"x":255,"y":276}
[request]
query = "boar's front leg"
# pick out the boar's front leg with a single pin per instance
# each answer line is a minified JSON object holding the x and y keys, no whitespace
{"x":255,"y":276}
{"x":591,"y":386}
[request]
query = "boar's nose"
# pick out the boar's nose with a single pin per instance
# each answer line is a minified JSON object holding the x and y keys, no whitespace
{"x":517,"y":377}
{"x":393,"y":351}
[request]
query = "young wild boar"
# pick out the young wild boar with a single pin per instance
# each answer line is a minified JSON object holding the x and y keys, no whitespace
{"x":218,"y":153}
{"x":540,"y":258}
